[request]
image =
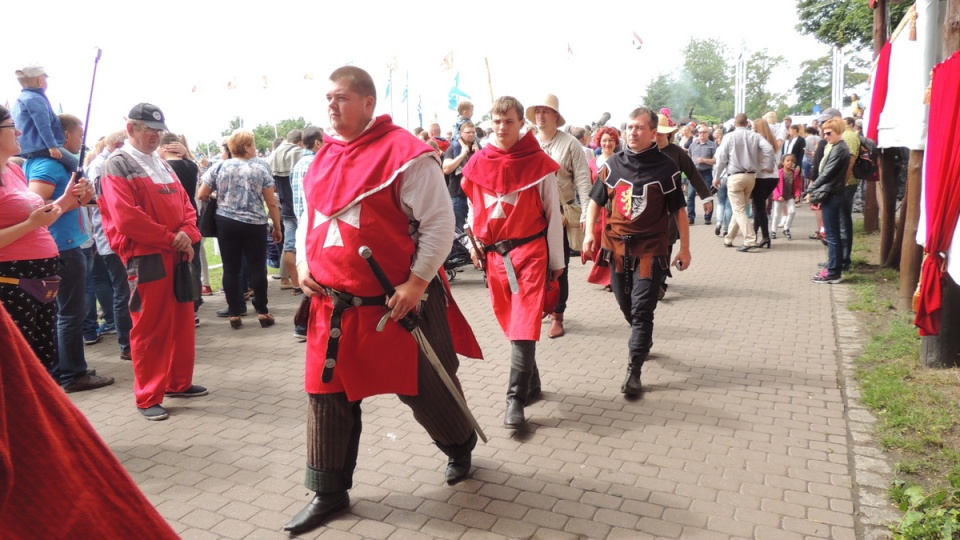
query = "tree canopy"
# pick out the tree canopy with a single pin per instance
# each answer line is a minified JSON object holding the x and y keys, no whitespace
{"x":843,"y":23}
{"x":266,"y":133}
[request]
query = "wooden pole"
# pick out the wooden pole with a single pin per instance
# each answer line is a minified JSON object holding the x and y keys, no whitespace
{"x":489,"y":80}
{"x":943,"y":351}
{"x":871,"y":208}
{"x":887,"y":193}
{"x":911,"y":252}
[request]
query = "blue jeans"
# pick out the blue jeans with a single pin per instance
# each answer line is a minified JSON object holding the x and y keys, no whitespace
{"x":460,"y":212}
{"x":71,"y":312}
{"x":832,"y":210}
{"x":725,"y":210}
{"x":117,"y":274}
{"x":692,"y":197}
{"x":100,"y":290}
{"x":691,"y":201}
{"x":846,"y":224}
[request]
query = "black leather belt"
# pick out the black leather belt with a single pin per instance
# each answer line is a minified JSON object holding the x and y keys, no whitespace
{"x":744,"y":172}
{"x":342,"y":301}
{"x":506,"y":246}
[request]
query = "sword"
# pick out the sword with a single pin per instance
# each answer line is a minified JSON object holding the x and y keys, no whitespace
{"x":511,"y":273}
{"x":423,"y":343}
{"x":481,"y":254}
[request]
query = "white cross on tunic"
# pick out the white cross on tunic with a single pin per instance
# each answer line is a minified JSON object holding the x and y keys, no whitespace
{"x":350,"y":217}
{"x":498,"y":202}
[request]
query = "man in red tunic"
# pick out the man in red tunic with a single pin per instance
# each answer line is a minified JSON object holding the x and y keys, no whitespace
{"x":511,"y":187}
{"x":374,"y":185}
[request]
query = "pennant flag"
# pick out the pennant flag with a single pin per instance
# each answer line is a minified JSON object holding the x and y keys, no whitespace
{"x":389,"y":85}
{"x":456,"y":93}
{"x":195,"y":89}
{"x":569,"y":50}
{"x":308,"y":76}
{"x":59,"y":108}
{"x":447,"y":63}
{"x":265,"y":81}
{"x":406,"y":87}
{"x":637,"y":42}
{"x":420,"y":109}
{"x":232,"y":84}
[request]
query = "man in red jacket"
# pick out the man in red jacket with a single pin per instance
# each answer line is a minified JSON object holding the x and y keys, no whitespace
{"x":374,"y":185}
{"x":150,"y":223}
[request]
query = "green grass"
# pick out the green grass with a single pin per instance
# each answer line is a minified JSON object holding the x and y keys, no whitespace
{"x":916,"y":408}
{"x":216,"y":274}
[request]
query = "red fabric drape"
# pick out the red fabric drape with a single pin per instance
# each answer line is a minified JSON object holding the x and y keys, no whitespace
{"x":881,"y":81}
{"x":943,"y":190}
{"x":58,"y":479}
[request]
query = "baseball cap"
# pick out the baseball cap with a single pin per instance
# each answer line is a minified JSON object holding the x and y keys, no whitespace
{"x":30,"y":71}
{"x":151,"y":115}
{"x":832,"y":112}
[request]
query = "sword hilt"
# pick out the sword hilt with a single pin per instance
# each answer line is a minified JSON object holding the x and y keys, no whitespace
{"x":411,"y":319}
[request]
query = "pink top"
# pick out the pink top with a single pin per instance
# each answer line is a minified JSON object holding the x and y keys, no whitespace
{"x":16,"y":204}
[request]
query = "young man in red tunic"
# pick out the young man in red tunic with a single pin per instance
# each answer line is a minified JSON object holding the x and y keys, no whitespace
{"x":511,"y":187}
{"x":374,"y":185}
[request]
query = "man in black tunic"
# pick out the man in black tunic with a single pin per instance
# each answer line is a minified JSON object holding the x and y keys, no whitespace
{"x":640,"y":188}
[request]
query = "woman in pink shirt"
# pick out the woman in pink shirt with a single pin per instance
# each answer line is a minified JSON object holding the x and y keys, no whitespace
{"x":28,"y":254}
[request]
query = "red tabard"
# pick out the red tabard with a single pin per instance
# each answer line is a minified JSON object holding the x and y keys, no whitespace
{"x":353,"y":195}
{"x":516,"y":214}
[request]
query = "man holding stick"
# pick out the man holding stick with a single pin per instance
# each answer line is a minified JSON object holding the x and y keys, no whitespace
{"x":366,"y":187}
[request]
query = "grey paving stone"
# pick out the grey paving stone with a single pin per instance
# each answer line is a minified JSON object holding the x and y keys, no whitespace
{"x":736,"y":436}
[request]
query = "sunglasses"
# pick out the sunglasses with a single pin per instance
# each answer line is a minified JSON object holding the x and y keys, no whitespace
{"x":827,"y":133}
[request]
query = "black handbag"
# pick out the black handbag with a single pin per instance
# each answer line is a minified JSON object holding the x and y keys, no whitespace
{"x":208,"y":219}
{"x":186,"y":281}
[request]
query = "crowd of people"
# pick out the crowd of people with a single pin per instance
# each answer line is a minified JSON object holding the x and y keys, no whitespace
{"x":123,"y":229}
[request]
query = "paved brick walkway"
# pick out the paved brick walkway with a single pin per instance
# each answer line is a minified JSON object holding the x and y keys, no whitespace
{"x":741,"y":431}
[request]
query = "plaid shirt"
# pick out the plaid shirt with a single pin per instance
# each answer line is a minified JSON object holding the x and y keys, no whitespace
{"x":296,"y":182}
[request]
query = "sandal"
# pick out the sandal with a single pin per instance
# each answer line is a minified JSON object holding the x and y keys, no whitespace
{"x":266,"y":320}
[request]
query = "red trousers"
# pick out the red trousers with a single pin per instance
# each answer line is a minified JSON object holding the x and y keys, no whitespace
{"x":163,"y":339}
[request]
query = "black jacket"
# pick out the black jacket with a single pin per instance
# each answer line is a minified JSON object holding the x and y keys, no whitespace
{"x":833,"y":176}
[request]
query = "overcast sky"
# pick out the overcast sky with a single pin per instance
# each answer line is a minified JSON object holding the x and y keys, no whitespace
{"x":181,"y":55}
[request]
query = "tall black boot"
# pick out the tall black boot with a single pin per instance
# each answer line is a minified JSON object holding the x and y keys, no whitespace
{"x":523,"y":362}
{"x":535,"y":387}
{"x":516,"y":398}
{"x":331,"y":498}
{"x":458,"y":462}
{"x":631,"y":384}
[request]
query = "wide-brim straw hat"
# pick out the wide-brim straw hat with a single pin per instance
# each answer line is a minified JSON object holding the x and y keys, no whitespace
{"x":666,"y":125}
{"x":550,"y":102}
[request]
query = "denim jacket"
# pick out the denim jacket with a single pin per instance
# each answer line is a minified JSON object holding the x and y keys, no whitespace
{"x":35,"y":117}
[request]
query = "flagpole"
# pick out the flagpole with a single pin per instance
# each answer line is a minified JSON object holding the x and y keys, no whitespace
{"x":489,"y":80}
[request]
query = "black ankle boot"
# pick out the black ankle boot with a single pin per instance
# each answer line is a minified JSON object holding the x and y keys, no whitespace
{"x":459,"y":457}
{"x":317,"y":511}
{"x":631,"y":384}
{"x":517,"y":390}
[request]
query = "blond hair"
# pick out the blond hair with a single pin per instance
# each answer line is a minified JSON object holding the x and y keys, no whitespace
{"x":240,"y":142}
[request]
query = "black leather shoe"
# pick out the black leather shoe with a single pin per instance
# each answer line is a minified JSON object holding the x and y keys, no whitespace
{"x":514,"y":416}
{"x":457,"y":469}
{"x":317,"y":511}
{"x":631,"y":385}
{"x":225,"y":312}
